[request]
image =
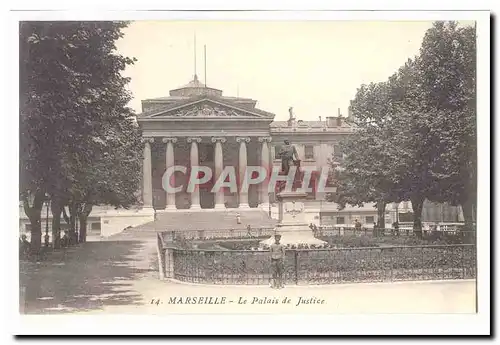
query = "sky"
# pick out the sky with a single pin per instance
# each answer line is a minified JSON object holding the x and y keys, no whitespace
{"x":313,"y":66}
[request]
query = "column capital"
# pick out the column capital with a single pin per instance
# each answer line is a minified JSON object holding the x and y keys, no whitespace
{"x":222,"y":140}
{"x":148,"y":140}
{"x":265,"y":139}
{"x":194,"y":139}
{"x":165,"y":140}
{"x":242,"y":139}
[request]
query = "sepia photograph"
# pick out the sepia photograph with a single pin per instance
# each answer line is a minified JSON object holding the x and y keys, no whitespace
{"x":231,"y":166}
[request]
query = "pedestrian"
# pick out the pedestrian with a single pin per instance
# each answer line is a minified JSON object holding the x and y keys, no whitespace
{"x":396,"y":228}
{"x":375,"y":230}
{"x":277,"y":262}
{"x":435,"y":229}
{"x":65,"y":240}
{"x":24,"y":246}
{"x":357,"y":225}
{"x":249,"y":231}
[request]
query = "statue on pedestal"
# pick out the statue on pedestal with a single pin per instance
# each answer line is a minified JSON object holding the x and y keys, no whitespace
{"x":288,"y":155}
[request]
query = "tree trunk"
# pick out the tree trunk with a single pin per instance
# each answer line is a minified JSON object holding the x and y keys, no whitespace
{"x":34,"y":214}
{"x":56,"y":208}
{"x":83,"y":229}
{"x":65,"y":216}
{"x":468,"y":212}
{"x":83,"y":216}
{"x":72,"y":223}
{"x":417,"y":203}
{"x":381,"y":215}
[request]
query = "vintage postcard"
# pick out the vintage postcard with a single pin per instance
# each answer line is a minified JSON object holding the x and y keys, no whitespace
{"x":236,"y":164}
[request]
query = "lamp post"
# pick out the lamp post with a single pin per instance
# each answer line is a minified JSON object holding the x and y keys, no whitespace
{"x":47,"y":200}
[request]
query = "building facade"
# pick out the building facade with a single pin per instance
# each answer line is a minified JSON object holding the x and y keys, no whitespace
{"x":197,"y":125}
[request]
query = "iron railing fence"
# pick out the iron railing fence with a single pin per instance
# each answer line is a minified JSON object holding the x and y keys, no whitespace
{"x":323,"y":266}
{"x":257,"y":233}
{"x":346,"y":230}
{"x":447,"y":236}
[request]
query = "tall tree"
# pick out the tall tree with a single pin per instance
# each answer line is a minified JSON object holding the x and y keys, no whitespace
{"x":416,"y":135}
{"x":113,"y":178}
{"x":46,"y":94}
{"x":434,"y":99}
{"x":114,"y":139}
{"x":368,"y":173}
{"x":448,"y":78}
{"x":72,"y":97}
{"x":365,"y":175}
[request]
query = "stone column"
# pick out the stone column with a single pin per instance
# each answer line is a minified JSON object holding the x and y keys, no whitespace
{"x":219,"y":166}
{"x":265,"y":162}
{"x":170,"y":161}
{"x":195,"y":195}
{"x":243,"y":159}
{"x":147,"y":177}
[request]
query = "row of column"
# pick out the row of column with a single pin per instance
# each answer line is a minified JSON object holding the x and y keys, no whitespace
{"x":194,"y":161}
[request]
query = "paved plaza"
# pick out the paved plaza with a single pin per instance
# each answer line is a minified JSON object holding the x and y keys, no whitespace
{"x":119,"y":277}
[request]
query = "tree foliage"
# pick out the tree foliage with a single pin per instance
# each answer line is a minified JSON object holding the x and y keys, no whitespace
{"x":416,"y":136}
{"x":78,"y":141}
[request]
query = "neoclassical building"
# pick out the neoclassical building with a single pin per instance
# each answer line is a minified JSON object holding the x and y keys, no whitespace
{"x":198,"y":125}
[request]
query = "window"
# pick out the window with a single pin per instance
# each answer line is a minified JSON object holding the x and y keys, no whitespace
{"x":309,"y":152}
{"x":95,"y":226}
{"x":340,"y":220}
{"x":369,"y":219}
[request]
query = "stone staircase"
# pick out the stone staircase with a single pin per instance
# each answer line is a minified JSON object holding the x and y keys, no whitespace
{"x":195,"y":220}
{"x":208,"y":220}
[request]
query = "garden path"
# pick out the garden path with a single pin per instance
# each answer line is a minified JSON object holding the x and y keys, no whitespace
{"x":113,"y":277}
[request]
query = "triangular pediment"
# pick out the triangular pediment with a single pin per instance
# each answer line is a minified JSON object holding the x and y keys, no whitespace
{"x":208,"y":108}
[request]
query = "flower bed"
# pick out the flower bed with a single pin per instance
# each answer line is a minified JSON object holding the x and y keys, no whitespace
{"x":346,"y":241}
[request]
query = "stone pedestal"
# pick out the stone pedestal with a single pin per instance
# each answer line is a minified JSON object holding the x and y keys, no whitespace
{"x":293,"y":227}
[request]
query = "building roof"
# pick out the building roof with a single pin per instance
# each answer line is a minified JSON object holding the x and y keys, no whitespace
{"x":181,"y":103}
{"x":299,"y":123}
{"x":193,"y":83}
{"x":195,"y":91}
